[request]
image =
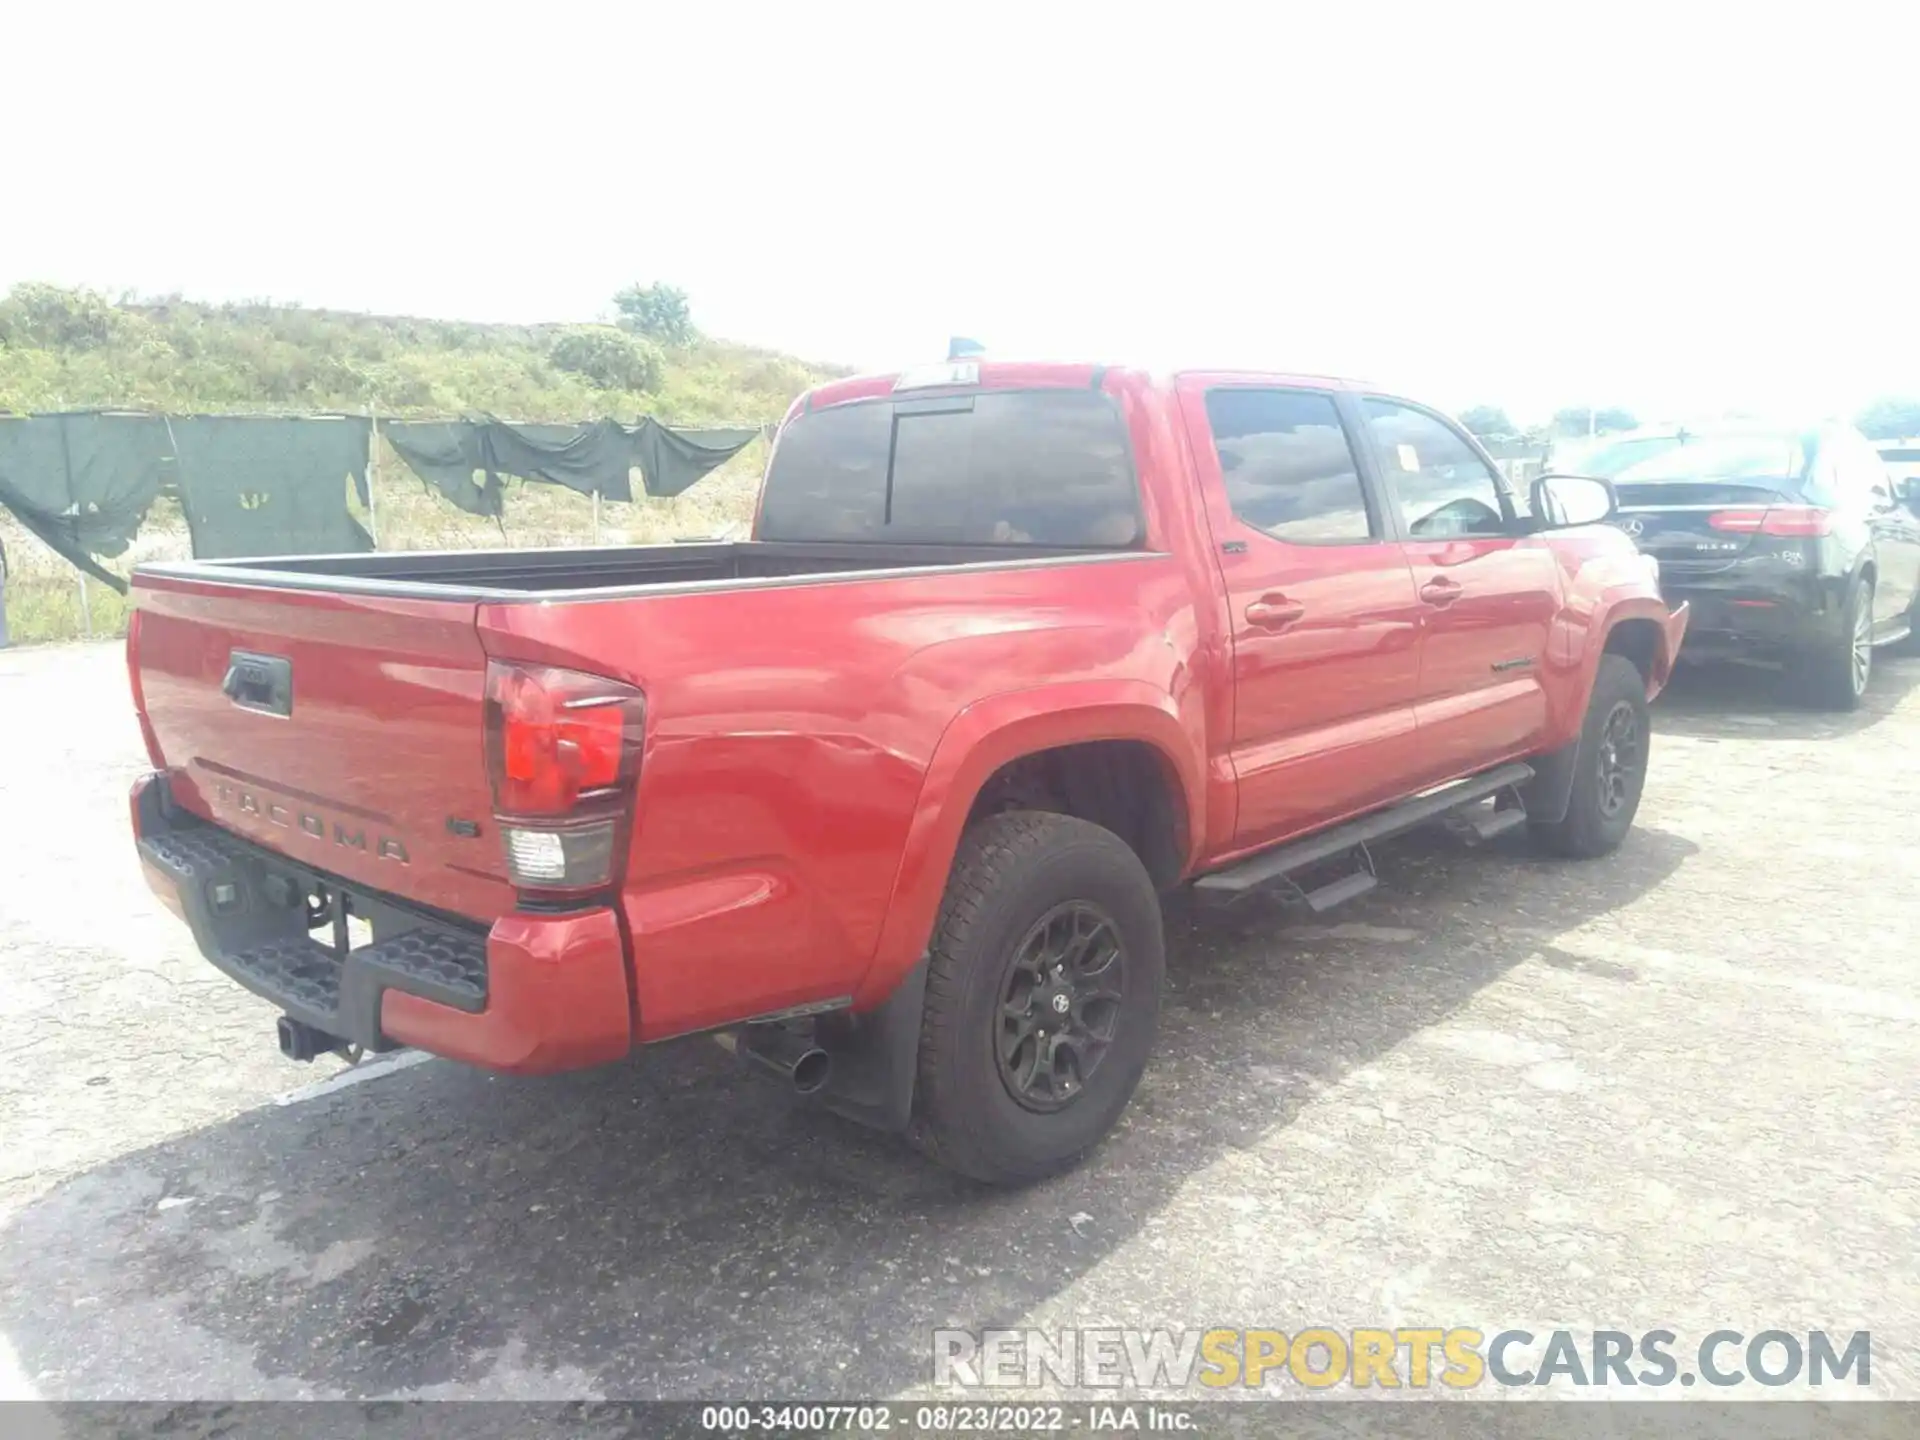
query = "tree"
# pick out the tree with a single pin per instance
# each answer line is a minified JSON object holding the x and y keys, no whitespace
{"x":1575,"y":419}
{"x":659,"y":312}
{"x":608,"y":357}
{"x":1890,"y":418}
{"x":1487,"y":421}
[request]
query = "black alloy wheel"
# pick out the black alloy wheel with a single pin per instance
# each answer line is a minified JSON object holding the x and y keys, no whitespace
{"x":1060,"y":1005}
{"x":1622,"y":757}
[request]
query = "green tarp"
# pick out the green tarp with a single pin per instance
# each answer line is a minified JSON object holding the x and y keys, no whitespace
{"x":82,"y":482}
{"x":449,"y":456}
{"x":464,"y":459}
{"x":271,"y":485}
{"x":671,"y":460}
{"x":594,"y":458}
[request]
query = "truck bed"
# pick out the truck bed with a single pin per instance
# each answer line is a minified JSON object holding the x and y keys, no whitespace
{"x":570,"y":573}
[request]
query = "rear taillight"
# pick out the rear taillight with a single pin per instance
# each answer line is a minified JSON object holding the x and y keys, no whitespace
{"x":1786,"y":520}
{"x":562,"y":751}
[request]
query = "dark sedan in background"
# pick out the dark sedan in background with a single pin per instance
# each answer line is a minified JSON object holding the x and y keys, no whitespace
{"x":1793,"y":546}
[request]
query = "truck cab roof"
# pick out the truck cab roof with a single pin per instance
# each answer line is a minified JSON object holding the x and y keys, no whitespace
{"x":979,"y":373}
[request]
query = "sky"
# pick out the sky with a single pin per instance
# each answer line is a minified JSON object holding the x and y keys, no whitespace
{"x":1681,"y":209}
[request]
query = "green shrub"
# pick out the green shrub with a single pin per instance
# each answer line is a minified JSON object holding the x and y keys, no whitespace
{"x":612,"y":359}
{"x":67,"y":349}
{"x":49,"y":318}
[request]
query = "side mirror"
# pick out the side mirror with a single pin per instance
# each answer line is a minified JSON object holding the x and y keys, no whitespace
{"x":1563,"y":500}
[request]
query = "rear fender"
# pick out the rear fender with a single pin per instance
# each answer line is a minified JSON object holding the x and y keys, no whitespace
{"x":1584,"y":632}
{"x":1605,"y":586}
{"x":1670,"y":628}
{"x":986,"y":736}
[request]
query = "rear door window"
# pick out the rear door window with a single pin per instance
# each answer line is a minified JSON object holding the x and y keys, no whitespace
{"x":1048,"y":468}
{"x":1288,"y":467}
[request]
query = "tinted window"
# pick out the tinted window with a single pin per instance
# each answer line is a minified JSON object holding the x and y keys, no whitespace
{"x":1662,"y":458}
{"x":1009,"y":467}
{"x":1287,"y":465}
{"x":1444,"y":488}
{"x":828,"y":478}
{"x":1695,"y":492}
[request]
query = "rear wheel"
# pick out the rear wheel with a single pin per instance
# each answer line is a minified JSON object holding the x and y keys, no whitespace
{"x":1609,"y":769}
{"x":1043,"y":996}
{"x":1835,"y":676}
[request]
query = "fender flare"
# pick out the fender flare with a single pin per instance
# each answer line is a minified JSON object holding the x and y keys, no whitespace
{"x":1669,"y":629}
{"x":977,"y":742}
{"x":1547,"y":795}
{"x":1867,"y":560}
{"x":1581,"y":637}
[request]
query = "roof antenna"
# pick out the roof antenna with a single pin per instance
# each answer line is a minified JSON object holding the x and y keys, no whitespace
{"x":961,"y":348}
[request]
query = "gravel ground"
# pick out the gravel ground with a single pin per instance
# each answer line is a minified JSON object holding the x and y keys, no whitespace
{"x":1675,"y":1088}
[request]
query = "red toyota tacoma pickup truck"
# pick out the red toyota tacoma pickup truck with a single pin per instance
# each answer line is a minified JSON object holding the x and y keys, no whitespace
{"x":892,"y":789}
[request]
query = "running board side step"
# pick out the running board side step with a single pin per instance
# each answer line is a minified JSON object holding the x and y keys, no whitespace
{"x":1277,"y":865}
{"x":1338,"y":892}
{"x":1478,"y":825}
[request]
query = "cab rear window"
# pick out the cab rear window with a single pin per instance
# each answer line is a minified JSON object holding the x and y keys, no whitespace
{"x":997,"y":467}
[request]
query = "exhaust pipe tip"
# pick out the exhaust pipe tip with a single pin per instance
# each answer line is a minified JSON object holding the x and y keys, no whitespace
{"x":810,"y":1071}
{"x":795,"y":1059}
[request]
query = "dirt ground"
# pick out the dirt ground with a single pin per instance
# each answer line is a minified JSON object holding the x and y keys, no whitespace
{"x":1679,"y":1087}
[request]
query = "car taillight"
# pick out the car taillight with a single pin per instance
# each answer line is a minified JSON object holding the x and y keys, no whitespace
{"x":1789,"y":520}
{"x":562,"y":751}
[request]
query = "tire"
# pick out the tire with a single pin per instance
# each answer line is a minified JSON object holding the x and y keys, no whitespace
{"x":1606,"y":782}
{"x":1835,"y":676}
{"x":1027,"y":883}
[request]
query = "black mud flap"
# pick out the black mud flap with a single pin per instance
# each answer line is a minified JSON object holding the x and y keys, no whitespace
{"x":875,"y":1056}
{"x":1547,"y":795}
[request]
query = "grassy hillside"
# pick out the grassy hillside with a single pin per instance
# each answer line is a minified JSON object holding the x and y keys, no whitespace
{"x":65,"y":350}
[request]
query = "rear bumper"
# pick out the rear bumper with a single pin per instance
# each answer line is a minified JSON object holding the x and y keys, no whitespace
{"x":533,"y":994}
{"x":1679,"y":619}
{"x":1759,"y":620}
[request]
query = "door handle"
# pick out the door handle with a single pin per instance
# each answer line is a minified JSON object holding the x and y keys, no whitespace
{"x":1275,"y":612}
{"x":1440,"y":591}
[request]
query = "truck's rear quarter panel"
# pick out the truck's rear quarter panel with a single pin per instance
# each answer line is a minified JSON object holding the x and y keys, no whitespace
{"x":790,"y":729}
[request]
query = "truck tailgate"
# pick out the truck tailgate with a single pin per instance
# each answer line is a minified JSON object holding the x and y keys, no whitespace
{"x":344,"y":731}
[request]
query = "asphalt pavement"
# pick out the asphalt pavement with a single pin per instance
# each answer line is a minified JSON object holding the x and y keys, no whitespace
{"x":1674,"y":1088}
